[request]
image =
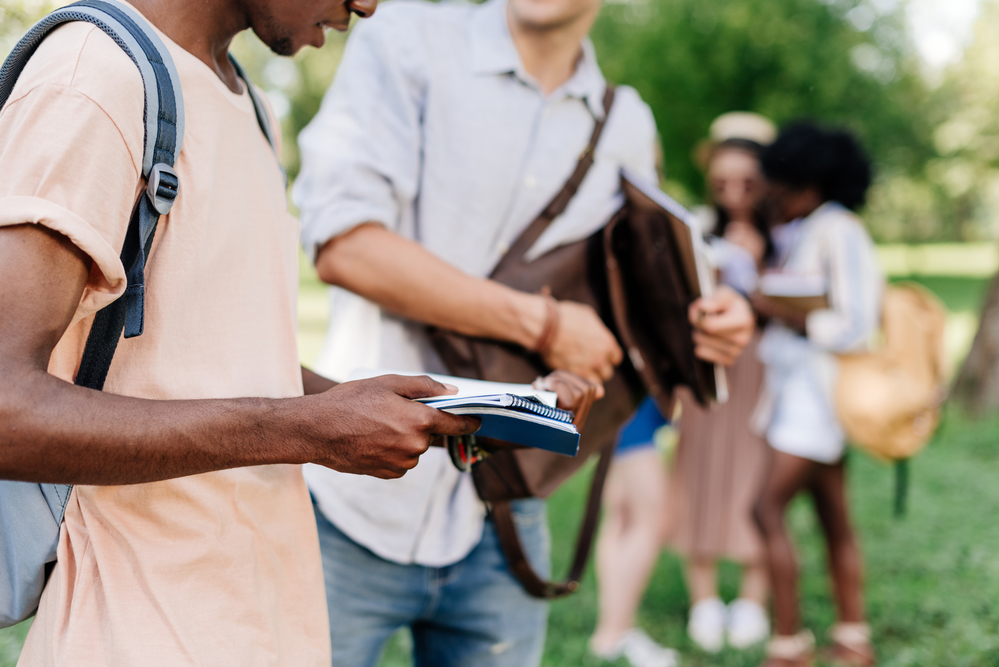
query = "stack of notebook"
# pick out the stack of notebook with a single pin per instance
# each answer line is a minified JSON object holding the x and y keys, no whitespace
{"x":515,"y":413}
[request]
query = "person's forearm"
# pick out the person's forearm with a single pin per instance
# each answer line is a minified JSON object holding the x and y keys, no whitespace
{"x":402,"y":277}
{"x":52,"y":431}
{"x":791,"y":317}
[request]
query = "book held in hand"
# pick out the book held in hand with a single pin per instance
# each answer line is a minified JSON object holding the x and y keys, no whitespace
{"x":516,"y":413}
{"x":691,"y":257}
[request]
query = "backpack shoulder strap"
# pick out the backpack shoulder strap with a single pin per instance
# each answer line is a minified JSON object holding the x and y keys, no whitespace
{"x":163,"y":134}
{"x":263,"y":119}
{"x":164,"y":108}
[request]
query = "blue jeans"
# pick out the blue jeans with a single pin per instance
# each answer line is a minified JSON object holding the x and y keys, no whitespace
{"x":472,"y":613}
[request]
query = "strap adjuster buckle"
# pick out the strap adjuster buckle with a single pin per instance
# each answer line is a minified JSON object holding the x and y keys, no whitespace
{"x":162,"y":187}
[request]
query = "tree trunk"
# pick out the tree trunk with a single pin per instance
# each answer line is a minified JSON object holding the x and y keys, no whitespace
{"x":977,"y":385}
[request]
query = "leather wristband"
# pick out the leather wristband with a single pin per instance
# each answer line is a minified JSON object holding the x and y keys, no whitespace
{"x":547,"y":336}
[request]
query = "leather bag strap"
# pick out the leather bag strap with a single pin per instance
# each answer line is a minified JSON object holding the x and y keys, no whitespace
{"x":506,"y":531}
{"x":564,"y":196}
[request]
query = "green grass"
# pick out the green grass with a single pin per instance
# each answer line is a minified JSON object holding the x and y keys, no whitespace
{"x":958,"y":293}
{"x":932,"y":577}
{"x":11,"y":640}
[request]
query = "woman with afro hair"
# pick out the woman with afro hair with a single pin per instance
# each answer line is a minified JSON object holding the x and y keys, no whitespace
{"x":816,"y":178}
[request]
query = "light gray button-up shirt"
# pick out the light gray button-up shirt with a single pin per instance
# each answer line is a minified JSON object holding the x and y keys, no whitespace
{"x":434,"y":129}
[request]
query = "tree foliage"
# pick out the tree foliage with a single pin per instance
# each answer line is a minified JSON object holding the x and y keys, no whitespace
{"x":966,"y":132}
{"x":840,"y":61}
{"x":843,"y":62}
{"x":16,"y":16}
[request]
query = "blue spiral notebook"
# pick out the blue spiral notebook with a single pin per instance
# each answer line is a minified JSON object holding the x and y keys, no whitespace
{"x":515,"y":413}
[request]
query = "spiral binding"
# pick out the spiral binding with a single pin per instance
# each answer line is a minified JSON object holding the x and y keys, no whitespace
{"x":538,"y":408}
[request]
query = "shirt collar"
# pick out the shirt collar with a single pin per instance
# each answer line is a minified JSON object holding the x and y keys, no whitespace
{"x":493,"y":52}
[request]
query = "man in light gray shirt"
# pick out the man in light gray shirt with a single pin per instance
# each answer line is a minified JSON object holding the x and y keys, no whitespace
{"x":447,"y":131}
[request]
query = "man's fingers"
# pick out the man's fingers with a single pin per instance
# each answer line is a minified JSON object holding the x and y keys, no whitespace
{"x":574,"y":391}
{"x":606,"y":372}
{"x":704,"y":307}
{"x":712,"y":356}
{"x":570,"y":396}
{"x":419,"y":386}
{"x":721,"y":343}
{"x":715,"y":350}
{"x":390,"y":473}
{"x":715,"y":321}
{"x":616,"y":354}
{"x":724,"y":324}
{"x":444,"y":423}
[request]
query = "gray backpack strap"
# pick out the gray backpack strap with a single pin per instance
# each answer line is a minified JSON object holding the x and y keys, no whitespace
{"x":137,"y":39}
{"x":263,"y":120}
{"x":32,"y":513}
{"x":258,"y":105}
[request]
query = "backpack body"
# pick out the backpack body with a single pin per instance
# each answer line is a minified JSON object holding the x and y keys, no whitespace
{"x":888,"y":400}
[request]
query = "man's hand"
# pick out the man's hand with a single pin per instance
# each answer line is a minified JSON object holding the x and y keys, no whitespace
{"x":371,"y":427}
{"x":574,"y":393}
{"x":723,"y":326}
{"x":583,"y":345}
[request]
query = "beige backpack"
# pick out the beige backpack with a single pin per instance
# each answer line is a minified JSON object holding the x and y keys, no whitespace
{"x":888,"y":400}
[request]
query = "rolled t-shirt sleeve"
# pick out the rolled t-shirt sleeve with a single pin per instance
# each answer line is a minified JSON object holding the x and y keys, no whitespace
{"x":65,"y":164}
{"x":361,"y":153}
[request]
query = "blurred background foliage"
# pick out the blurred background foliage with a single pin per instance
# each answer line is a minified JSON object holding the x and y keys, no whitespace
{"x":934,"y":135}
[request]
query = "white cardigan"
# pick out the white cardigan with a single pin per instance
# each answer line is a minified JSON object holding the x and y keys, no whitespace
{"x":796,"y":412}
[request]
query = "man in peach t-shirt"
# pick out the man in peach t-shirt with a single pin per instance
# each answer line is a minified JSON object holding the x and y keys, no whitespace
{"x":186,"y":540}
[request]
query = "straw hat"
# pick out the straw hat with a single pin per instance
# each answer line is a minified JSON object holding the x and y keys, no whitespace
{"x":735,"y":126}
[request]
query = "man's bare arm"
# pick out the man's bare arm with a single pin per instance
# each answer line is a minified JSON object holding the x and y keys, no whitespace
{"x":401,"y":276}
{"x":53,"y":431}
{"x":405,"y":278}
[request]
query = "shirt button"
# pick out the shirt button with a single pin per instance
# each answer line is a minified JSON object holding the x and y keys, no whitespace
{"x":530,"y":182}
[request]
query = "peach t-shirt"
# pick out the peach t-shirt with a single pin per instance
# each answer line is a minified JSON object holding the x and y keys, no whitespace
{"x":214,"y":569}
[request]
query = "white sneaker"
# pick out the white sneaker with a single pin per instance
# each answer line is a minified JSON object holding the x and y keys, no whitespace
{"x":640,"y":650}
{"x":747,"y":623}
{"x":707,"y":624}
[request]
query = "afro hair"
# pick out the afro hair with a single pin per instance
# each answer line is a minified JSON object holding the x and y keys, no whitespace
{"x":830,"y":159}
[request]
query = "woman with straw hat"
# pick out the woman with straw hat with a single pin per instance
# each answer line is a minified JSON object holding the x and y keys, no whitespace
{"x":720,"y":463}
{"x":635,"y":499}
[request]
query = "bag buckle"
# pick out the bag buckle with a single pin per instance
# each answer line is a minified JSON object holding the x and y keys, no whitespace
{"x":162,"y":187}
{"x":464,"y":451}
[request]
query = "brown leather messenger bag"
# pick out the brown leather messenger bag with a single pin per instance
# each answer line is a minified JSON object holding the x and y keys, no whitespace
{"x":631,"y":273}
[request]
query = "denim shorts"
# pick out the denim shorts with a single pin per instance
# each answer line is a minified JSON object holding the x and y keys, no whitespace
{"x":469,"y":614}
{"x":638,"y":433}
